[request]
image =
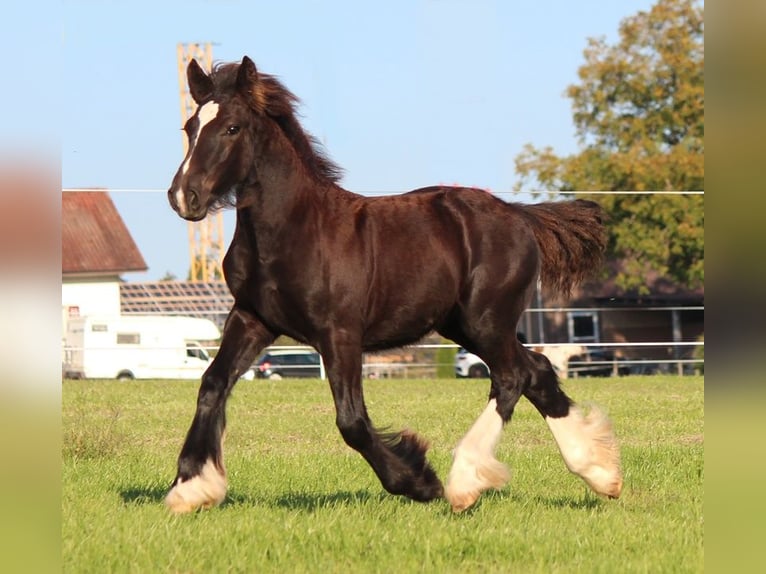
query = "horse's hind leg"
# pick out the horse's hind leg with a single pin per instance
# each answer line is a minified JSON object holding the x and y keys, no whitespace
{"x":201,"y":478}
{"x":474,"y":467}
{"x":586,"y":441}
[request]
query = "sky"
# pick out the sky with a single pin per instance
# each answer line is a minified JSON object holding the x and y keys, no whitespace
{"x":402,"y":94}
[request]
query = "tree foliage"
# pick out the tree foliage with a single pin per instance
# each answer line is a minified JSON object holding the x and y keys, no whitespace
{"x":639,"y":114}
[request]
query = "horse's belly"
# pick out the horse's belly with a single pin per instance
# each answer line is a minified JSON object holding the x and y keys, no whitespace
{"x":404,"y":321}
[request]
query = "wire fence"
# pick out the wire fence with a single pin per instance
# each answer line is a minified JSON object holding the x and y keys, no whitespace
{"x":372,"y":193}
{"x":616,"y":348}
{"x":605,"y":353}
{"x":423,"y":360}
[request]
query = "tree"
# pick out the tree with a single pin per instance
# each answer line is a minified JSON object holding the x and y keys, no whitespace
{"x":639,"y":116}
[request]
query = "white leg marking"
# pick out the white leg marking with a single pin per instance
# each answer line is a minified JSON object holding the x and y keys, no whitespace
{"x":589,"y":449}
{"x":474,"y":467}
{"x":205,"y":490}
{"x":206,"y":114}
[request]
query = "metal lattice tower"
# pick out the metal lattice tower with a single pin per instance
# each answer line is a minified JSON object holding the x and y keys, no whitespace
{"x":206,"y":236}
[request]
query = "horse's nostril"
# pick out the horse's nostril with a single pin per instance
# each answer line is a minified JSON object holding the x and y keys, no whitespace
{"x":193,"y":200}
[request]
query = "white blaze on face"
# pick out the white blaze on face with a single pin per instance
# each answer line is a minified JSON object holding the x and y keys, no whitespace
{"x":206,"y":114}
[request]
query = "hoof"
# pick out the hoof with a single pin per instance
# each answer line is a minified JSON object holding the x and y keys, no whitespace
{"x":426,"y":491}
{"x":468,"y":479}
{"x":460,"y":501}
{"x":604,"y":482}
{"x":205,"y":490}
{"x":615,"y":491}
{"x":589,"y":448}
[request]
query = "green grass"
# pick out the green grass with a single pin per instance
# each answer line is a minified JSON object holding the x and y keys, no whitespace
{"x":301,"y":501}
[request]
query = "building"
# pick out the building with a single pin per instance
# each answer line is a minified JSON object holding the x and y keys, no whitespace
{"x":627,"y":322}
{"x":96,"y":248}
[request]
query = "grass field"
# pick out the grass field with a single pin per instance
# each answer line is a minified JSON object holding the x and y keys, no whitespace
{"x":301,"y":501}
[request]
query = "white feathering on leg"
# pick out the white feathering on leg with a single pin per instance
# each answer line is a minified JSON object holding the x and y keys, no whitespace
{"x":205,"y":490}
{"x":589,"y":449}
{"x":474,"y":467}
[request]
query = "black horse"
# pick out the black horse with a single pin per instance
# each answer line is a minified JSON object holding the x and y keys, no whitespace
{"x":347,"y":274}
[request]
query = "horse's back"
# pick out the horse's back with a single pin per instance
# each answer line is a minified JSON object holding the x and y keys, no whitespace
{"x":445,"y":204}
{"x":434,"y":250}
{"x":458,"y":226}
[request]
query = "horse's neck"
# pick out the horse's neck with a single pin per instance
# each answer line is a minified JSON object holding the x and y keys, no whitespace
{"x":286,"y":186}
{"x":283,"y":180}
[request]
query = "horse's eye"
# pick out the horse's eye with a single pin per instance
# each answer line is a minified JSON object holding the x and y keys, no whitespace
{"x":232,"y":130}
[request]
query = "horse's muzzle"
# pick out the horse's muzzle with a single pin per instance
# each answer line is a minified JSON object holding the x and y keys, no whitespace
{"x":186,"y":203}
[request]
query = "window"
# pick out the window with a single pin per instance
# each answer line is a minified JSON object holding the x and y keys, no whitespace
{"x":128,"y":338}
{"x":197,"y":352}
{"x":583,"y":326}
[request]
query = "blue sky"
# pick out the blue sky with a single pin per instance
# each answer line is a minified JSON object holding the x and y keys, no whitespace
{"x":402,"y":94}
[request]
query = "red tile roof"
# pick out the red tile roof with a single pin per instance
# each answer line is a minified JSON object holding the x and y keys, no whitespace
{"x":94,"y":238}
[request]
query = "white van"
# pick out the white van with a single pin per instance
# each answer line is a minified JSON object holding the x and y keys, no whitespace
{"x":138,"y":347}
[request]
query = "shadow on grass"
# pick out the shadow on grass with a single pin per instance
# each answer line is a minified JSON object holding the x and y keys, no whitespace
{"x":586,"y":502}
{"x":306,"y":502}
{"x":311,"y":502}
{"x":148,"y":495}
{"x":290,"y":500}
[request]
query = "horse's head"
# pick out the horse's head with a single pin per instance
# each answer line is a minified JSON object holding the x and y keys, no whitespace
{"x":219,"y":133}
{"x":237,"y":105}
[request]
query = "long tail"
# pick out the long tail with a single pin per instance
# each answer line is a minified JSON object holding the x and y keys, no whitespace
{"x":572,"y":240}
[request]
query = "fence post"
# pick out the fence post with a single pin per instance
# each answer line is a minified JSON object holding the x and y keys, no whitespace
{"x":676,"y":318}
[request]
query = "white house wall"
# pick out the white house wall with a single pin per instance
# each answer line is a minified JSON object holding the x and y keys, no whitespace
{"x":89,"y":297}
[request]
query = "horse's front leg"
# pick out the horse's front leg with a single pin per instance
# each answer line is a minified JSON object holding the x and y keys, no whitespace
{"x":201,"y":478}
{"x":398,"y":459}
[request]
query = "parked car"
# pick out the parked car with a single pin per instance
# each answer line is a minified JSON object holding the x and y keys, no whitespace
{"x":468,"y":365}
{"x":597,"y":362}
{"x":293,"y":363}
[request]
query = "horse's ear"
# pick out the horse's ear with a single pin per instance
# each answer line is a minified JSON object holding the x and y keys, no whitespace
{"x":200,"y":84}
{"x":249,"y":85}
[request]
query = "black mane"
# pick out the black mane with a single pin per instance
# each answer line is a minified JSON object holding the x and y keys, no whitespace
{"x":280,"y":104}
